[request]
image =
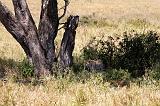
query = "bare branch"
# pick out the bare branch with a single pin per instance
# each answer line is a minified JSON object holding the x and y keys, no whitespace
{"x":61,"y":27}
{"x":62,"y":23}
{"x":9,"y":21}
{"x":66,"y":3}
{"x":23,"y":15}
{"x":13,"y":27}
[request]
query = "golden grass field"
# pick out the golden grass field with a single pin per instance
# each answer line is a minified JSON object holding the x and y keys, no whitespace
{"x":112,"y":17}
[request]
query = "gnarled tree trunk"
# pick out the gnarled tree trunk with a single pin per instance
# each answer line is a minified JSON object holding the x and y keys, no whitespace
{"x":38,"y":43}
{"x":68,"y":41}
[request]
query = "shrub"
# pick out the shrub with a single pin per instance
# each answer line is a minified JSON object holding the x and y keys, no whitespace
{"x":155,"y":72}
{"x":100,"y":49}
{"x":26,"y":69}
{"x":115,"y":74}
{"x":133,"y":52}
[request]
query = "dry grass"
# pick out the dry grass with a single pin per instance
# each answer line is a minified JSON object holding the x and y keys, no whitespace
{"x":63,"y":92}
{"x":114,"y":17}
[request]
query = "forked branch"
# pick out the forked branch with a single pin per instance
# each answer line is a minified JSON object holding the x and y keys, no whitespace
{"x":66,"y":3}
{"x":10,"y":22}
{"x":13,"y":26}
{"x":23,"y":15}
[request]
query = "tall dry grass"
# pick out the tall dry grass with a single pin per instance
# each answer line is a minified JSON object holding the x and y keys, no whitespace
{"x":63,"y":92}
{"x":105,"y":17}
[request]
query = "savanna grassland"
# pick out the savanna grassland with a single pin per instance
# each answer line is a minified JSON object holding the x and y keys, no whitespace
{"x":97,"y":18}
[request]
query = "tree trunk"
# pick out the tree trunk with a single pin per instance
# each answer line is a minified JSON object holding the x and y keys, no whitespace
{"x":37,"y":53}
{"x":48,"y":28}
{"x":68,"y":41}
{"x":38,"y":44}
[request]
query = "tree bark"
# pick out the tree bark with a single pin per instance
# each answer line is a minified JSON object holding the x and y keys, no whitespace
{"x":22,"y":27}
{"x":38,"y":44}
{"x":24,"y":16}
{"x":68,"y":41}
{"x":13,"y":27}
{"x":48,"y":28}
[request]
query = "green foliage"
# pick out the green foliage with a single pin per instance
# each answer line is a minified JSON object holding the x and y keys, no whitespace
{"x":10,"y":63}
{"x":134,"y":52}
{"x":115,"y":74}
{"x":139,"y":52}
{"x":155,"y":72}
{"x":26,"y":69}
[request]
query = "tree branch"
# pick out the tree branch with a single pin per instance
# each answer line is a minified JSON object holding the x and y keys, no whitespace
{"x":66,"y":3}
{"x":10,"y":23}
{"x":14,"y":28}
{"x":48,"y":27}
{"x":24,"y":16}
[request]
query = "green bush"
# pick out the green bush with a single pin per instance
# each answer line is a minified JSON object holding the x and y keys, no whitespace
{"x":155,"y":72}
{"x":115,"y":74}
{"x":134,"y":52}
{"x":26,"y":69}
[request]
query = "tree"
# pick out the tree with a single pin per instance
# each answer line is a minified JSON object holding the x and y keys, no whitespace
{"x":38,"y":43}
